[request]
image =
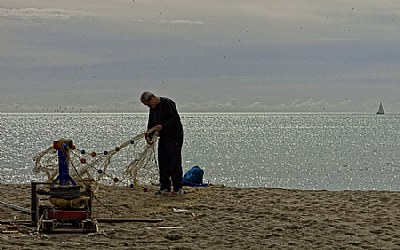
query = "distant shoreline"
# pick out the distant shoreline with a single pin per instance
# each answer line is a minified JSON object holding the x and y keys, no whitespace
{"x":202,"y":113}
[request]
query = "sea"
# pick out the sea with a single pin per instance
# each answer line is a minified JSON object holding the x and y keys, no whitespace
{"x":308,"y":151}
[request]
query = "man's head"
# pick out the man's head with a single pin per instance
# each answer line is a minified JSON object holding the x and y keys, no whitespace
{"x":149,"y":99}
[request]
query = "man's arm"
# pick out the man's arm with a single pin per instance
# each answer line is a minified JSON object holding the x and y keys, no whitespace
{"x":174,"y":118}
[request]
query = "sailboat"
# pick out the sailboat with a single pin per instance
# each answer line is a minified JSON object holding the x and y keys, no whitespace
{"x":380,"y":110}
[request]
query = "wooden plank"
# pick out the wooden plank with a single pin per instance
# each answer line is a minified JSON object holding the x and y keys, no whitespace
{"x":116,"y":220}
{"x":15,"y":207}
{"x":19,"y":222}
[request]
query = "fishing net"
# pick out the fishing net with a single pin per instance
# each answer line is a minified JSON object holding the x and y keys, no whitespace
{"x":131,"y":163}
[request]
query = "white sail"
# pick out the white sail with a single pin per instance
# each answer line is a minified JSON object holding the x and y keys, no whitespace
{"x":380,"y":110}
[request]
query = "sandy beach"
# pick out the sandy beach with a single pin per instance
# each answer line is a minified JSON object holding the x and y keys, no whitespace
{"x":219,"y":217}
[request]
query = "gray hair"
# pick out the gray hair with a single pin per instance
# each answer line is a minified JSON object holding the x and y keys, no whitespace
{"x":146,"y":96}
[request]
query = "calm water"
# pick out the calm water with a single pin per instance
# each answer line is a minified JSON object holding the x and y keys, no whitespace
{"x":304,"y":151}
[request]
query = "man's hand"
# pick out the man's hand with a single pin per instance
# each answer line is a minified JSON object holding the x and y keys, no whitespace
{"x":158,"y":128}
{"x":148,"y":138}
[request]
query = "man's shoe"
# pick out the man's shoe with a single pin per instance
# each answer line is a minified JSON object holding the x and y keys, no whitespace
{"x":180,"y":192}
{"x":162,"y":192}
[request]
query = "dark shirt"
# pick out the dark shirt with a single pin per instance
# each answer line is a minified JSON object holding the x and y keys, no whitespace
{"x":166,"y":114}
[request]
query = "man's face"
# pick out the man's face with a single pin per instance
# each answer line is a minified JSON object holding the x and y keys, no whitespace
{"x":151,"y":102}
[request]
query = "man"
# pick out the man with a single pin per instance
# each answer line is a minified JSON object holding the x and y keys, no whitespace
{"x":164,"y":118}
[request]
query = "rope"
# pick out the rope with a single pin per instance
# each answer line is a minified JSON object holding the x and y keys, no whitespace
{"x":99,"y":164}
{"x":39,"y":223}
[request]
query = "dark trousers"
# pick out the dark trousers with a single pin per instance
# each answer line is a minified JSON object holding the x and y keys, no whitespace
{"x":170,"y":163}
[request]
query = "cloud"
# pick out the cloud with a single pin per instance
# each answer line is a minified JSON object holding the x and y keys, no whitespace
{"x":185,"y":22}
{"x":42,"y":14}
{"x":182,"y":22}
{"x":338,"y":39}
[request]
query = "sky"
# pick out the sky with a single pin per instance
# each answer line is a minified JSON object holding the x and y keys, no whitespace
{"x":208,"y":55}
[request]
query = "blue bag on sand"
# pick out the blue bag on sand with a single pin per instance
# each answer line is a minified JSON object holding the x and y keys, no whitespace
{"x":194,"y":177}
